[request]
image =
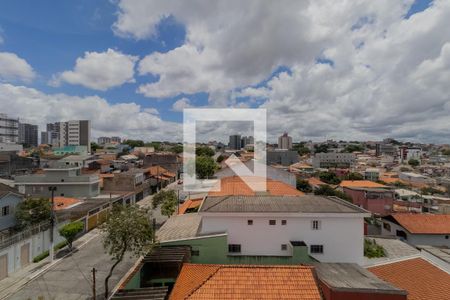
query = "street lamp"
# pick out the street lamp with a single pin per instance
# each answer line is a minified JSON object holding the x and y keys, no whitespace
{"x":52,"y":189}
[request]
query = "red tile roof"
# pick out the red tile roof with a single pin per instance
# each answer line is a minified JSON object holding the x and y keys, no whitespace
{"x":65,"y":202}
{"x":235,"y":186}
{"x":247,"y":282}
{"x":190,"y":203}
{"x":361,"y":184}
{"x":424,"y":223}
{"x":422,"y":280}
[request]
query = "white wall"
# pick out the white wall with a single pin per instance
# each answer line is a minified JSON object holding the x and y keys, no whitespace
{"x":341,"y":237}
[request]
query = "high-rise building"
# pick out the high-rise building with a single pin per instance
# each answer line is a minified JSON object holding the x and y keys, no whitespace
{"x":116,"y":139}
{"x":103,"y":140}
{"x":70,"y":133}
{"x":235,"y":142}
{"x":28,"y":134}
{"x":247,"y":140}
{"x":285,"y":142}
{"x":9,"y":129}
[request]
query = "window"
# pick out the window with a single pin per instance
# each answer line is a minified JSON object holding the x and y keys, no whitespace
{"x":317,"y":249}
{"x":5,"y":210}
{"x":446,"y":237}
{"x":249,"y":222}
{"x":234,"y":248}
{"x":272,"y":222}
{"x":283,"y":222}
{"x":283,"y":247}
{"x":195,"y":252}
{"x":315,"y":224}
{"x":387,"y":226}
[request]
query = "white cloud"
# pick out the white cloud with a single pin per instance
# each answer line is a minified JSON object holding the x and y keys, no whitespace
{"x":122,"y":119}
{"x":99,"y":70}
{"x":181,"y":104}
{"x":13,"y":67}
{"x":388,"y":75}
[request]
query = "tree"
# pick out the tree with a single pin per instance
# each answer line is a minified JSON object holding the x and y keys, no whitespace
{"x":168,"y":201}
{"x":304,"y":186}
{"x":326,"y":190}
{"x":220,"y":158}
{"x":353,"y":148}
{"x":303,"y":151}
{"x":127,"y":229}
{"x":134,"y":143}
{"x":413,"y":162}
{"x":33,"y":211}
{"x":204,"y":167}
{"x":322,"y":148}
{"x":70,"y":231}
{"x":329,"y":177}
{"x":157,"y":145}
{"x":446,"y":152}
{"x":204,"y":151}
{"x":354,"y":176}
{"x":372,"y":249}
{"x":177,"y":149}
{"x":94,"y":146}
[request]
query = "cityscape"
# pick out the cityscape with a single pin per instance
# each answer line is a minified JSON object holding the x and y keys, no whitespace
{"x":95,"y":192}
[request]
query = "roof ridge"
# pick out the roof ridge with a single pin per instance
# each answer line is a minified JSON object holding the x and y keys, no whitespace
{"x":215,"y":204}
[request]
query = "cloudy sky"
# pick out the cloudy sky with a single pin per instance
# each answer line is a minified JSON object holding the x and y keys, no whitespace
{"x":356,"y":69}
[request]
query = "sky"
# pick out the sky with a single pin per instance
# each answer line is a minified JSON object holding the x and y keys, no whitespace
{"x":351,"y":70}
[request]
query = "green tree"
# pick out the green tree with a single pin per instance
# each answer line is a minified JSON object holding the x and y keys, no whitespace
{"x":220,"y":158}
{"x":94,"y":146}
{"x":326,"y":190}
{"x":157,"y":145}
{"x":205,"y":167}
{"x":303,"y":151}
{"x":372,"y":249}
{"x":322,"y":148}
{"x":353,"y":148}
{"x":204,"y":151}
{"x":70,"y":231}
{"x":304,"y":186}
{"x":413,"y":162}
{"x":177,"y":149}
{"x":168,"y":201}
{"x":134,"y":143}
{"x":126,"y":230}
{"x":33,"y":211}
{"x":446,"y":152}
{"x":354,"y":176}
{"x":329,"y":177}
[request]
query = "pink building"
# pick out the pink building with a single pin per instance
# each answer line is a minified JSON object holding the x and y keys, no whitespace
{"x":376,"y":200}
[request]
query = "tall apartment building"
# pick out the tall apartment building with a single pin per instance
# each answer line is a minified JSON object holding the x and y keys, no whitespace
{"x":28,"y":134}
{"x":285,"y":142}
{"x":247,"y":140}
{"x":235,"y":142}
{"x":70,"y":133}
{"x":108,"y":140}
{"x":9,"y":129}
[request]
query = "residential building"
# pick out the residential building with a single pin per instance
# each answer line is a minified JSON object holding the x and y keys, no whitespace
{"x":333,"y":160}
{"x":418,"y":229}
{"x":285,"y":142}
{"x":116,"y":139}
{"x":70,"y":150}
{"x":103,"y":140}
{"x":9,"y":129}
{"x":282,"y":157}
{"x":198,"y":281}
{"x":12,"y":164}
{"x":415,"y":179}
{"x":379,"y":201}
{"x":385,"y":149}
{"x":10,"y":147}
{"x":270,"y":230}
{"x":407,"y":153}
{"x":70,"y":133}
{"x":28,"y":134}
{"x":68,"y":180}
{"x":9,"y":199}
{"x":133,"y":180}
{"x":247,"y":141}
{"x":168,"y":161}
{"x":372,"y":174}
{"x":235,"y":142}
{"x":420,"y":278}
{"x":361,"y":184}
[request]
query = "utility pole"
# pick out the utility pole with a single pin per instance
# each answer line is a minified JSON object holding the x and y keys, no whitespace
{"x":93,"y":283}
{"x":52,"y":189}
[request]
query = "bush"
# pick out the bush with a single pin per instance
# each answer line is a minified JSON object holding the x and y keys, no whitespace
{"x":329,"y":177}
{"x":372,"y":249}
{"x":304,"y":186}
{"x":326,"y":190}
{"x":46,"y":253}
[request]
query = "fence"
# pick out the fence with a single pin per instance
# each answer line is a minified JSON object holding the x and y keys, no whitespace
{"x":6,"y":242}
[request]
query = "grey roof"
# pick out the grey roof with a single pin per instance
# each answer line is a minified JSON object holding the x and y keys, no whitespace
{"x":351,"y":277}
{"x":179,"y":227}
{"x":292,"y":204}
{"x":6,"y":189}
{"x":439,"y":252}
{"x":393,"y":248}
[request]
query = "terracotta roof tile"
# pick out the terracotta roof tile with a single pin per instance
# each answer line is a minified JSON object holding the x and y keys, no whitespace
{"x":245,"y":282}
{"x":361,"y":184}
{"x":424,"y":223}
{"x":421,"y":279}
{"x":190,"y":203}
{"x":235,"y":186}
{"x":65,"y":202}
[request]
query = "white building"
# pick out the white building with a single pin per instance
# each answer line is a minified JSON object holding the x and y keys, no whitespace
{"x":415,"y":179}
{"x":407,"y":153}
{"x":9,"y":129}
{"x":285,"y":142}
{"x":333,"y":160}
{"x":331,"y":228}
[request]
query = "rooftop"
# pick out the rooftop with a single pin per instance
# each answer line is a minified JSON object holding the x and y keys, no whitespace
{"x":418,"y":277}
{"x":190,"y":204}
{"x":245,"y":282}
{"x":361,"y":184}
{"x":394,"y":249}
{"x":65,"y":202}
{"x":439,"y":252}
{"x":422,"y":223}
{"x":285,"y":204}
{"x":352,"y":277}
{"x":179,"y":227}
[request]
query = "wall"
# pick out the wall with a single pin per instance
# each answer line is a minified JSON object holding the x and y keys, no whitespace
{"x":330,"y":294}
{"x":9,"y":220}
{"x":342,"y":237}
{"x":417,"y":239}
{"x":374,"y":205}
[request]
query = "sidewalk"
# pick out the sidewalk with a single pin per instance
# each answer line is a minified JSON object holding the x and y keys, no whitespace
{"x":17,"y":280}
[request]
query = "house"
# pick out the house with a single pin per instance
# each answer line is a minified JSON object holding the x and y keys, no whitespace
{"x":269,"y":230}
{"x":418,"y":229}
{"x":9,"y":199}
{"x":360,"y":184}
{"x":133,"y":180}
{"x":70,"y":182}
{"x":333,"y":160}
{"x":416,"y":180}
{"x":421,"y":279}
{"x":282,"y":157}
{"x":372,"y":174}
{"x":376,"y":200}
{"x":315,"y":183}
{"x":12,"y":164}
{"x":168,"y":161}
{"x":198,"y":281}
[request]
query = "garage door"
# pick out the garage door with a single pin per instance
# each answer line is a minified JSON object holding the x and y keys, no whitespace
{"x":25,"y":255}
{"x":3,"y":266}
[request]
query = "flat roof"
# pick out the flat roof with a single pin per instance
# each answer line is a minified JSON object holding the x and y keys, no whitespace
{"x":179,"y":227}
{"x":394,"y":249}
{"x":352,"y":277}
{"x":439,"y":252}
{"x":285,"y":204}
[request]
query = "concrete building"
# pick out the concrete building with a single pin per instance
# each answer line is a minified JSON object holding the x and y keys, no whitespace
{"x":385,"y":149}
{"x":376,"y":200}
{"x":418,"y":229}
{"x":70,"y":133}
{"x":333,"y":160}
{"x":9,"y":199}
{"x":168,"y":161}
{"x":10,"y":147}
{"x":103,"y":140}
{"x":9,"y":129}
{"x":68,"y":180}
{"x":235,"y":142}
{"x":28,"y":134}
{"x":12,"y":164}
{"x":372,"y":174}
{"x":282,"y":157}
{"x":285,"y":142}
{"x":415,"y":179}
{"x":407,"y":153}
{"x":247,"y":141}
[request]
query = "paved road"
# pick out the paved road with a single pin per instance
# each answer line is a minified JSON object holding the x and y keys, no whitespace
{"x":71,"y":277}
